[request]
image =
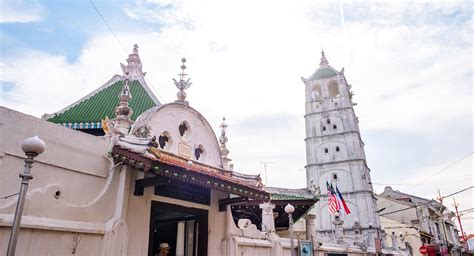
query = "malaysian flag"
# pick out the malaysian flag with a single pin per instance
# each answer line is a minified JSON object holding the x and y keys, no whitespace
{"x":333,"y":203}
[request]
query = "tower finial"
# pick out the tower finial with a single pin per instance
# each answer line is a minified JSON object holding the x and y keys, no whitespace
{"x":134,"y":64}
{"x":182,"y":84}
{"x":223,"y":147}
{"x":324,"y":61}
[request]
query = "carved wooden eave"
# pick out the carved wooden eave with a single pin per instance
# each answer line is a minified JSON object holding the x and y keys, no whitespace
{"x":162,"y":163}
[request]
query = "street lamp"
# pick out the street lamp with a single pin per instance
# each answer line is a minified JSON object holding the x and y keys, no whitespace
{"x":290,"y":209}
{"x":32,"y":147}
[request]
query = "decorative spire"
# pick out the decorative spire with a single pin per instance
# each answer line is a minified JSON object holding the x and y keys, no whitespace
{"x":182,"y":84}
{"x":223,"y":147}
{"x":125,"y":96}
{"x":134,"y":66}
{"x":122,"y":122}
{"x":324,"y":61}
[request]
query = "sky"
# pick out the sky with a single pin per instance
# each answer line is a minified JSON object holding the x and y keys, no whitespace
{"x":409,"y":63}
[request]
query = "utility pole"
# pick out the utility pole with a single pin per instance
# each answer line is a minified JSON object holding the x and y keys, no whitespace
{"x":440,"y":198}
{"x":459,"y":218}
{"x":265,"y":168}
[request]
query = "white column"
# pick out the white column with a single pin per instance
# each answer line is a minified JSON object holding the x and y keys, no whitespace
{"x":268,"y":223}
{"x":310,"y":225}
{"x":180,"y":239}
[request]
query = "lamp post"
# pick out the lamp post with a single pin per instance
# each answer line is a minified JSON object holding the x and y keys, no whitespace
{"x":32,"y":147}
{"x":290,"y":209}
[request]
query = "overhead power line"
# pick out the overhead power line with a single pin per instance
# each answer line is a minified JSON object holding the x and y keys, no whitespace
{"x":120,"y":42}
{"x":410,"y":207}
{"x":108,"y":26}
{"x":467,"y":210}
{"x":442,"y":170}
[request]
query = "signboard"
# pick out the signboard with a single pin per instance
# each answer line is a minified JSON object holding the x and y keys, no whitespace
{"x":423,"y":249}
{"x":305,"y":248}
{"x":184,"y":150}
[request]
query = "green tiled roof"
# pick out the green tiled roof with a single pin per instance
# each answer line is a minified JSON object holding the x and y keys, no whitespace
{"x":283,"y":197}
{"x":103,"y":103}
{"x":325,"y":72}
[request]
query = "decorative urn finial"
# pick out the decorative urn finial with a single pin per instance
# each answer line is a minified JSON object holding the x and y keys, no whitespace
{"x":182,"y":84}
{"x":125,"y":96}
{"x":324,"y":61}
{"x":223,"y":147}
{"x":121,"y":123}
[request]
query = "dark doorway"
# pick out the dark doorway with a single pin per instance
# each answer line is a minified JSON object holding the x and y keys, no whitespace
{"x":170,"y":223}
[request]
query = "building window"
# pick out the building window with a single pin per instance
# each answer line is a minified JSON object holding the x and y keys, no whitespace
{"x":334,"y":126}
{"x":337,"y":148}
{"x":163,"y":140}
{"x":334,"y":176}
{"x":326,"y":150}
{"x":198,"y":152}
{"x":324,"y":128}
{"x":183,"y":128}
{"x":333,"y":89}
{"x":328,"y":121}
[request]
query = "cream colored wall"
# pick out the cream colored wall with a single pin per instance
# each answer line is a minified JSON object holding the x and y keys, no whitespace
{"x":76,"y":165}
{"x":166,"y":119}
{"x":390,"y":205}
{"x":53,"y":243}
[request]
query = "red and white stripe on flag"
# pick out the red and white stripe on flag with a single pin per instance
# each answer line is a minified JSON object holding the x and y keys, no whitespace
{"x":333,"y":204}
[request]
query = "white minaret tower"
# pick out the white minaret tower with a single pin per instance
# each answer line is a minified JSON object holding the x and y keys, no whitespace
{"x":335,"y":153}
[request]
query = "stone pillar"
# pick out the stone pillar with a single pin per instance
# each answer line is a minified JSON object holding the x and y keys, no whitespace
{"x":268,"y":222}
{"x":180,"y":239}
{"x":310,"y":226}
{"x":338,"y":230}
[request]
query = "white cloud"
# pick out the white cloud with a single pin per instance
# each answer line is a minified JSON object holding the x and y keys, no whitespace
{"x":246,"y":59}
{"x":20,"y":11}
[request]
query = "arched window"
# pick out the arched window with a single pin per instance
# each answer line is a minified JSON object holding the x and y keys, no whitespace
{"x":163,"y":140}
{"x":183,"y":127}
{"x":334,"y":126}
{"x":337,"y":148}
{"x":316,"y":92}
{"x":326,"y":150}
{"x":324,"y":128}
{"x":333,"y":89}
{"x":328,"y":121}
{"x":334,"y":176}
{"x":198,"y":152}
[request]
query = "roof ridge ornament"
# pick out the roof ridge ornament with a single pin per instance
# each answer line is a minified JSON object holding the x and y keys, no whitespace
{"x":122,"y":122}
{"x":125,"y":96}
{"x":182,"y":84}
{"x":324,"y":62}
{"x":134,"y":64}
{"x":223,"y":147}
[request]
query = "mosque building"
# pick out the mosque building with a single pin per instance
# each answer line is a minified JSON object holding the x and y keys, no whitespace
{"x":126,"y":174}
